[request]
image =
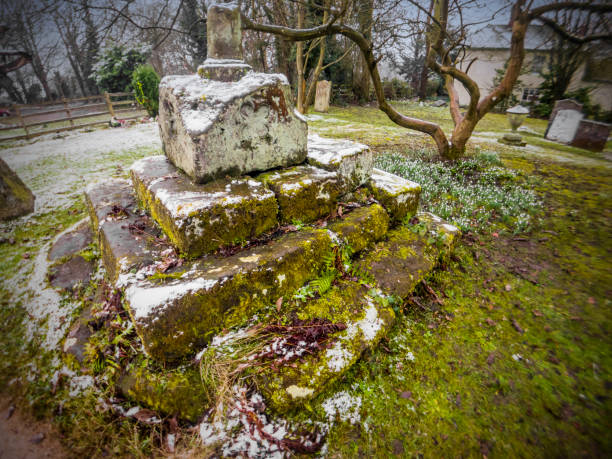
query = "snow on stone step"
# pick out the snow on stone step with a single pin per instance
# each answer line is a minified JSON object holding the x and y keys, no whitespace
{"x":112,"y":209}
{"x":176,"y":315}
{"x":201,"y":218}
{"x":399,"y":196}
{"x":351,"y":160}
{"x":304,"y":193}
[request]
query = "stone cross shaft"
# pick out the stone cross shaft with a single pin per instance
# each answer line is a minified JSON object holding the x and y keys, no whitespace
{"x":224,"y":35}
{"x":223,"y":31}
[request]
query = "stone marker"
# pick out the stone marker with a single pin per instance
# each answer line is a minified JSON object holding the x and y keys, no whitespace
{"x":16,"y":199}
{"x":563,"y":128}
{"x":591,"y":135}
{"x":322,"y":96}
{"x":565,"y":104}
{"x":231,"y":121}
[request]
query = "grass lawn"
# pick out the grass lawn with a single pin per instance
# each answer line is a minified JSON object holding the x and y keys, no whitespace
{"x":505,"y":351}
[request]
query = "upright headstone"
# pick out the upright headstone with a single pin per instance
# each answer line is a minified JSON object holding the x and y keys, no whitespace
{"x":564,"y":104}
{"x":564,"y":126}
{"x":591,"y":135}
{"x":322,"y":96}
{"x":229,"y":120}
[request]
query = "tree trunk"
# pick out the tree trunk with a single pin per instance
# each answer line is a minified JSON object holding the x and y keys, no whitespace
{"x":361,"y":78}
{"x":299,"y":64}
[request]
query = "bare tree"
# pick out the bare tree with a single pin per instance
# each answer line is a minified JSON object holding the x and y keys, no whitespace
{"x":443,"y":45}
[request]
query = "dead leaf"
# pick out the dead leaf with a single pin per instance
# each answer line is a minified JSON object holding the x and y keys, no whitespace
{"x":517,"y":327}
{"x":537,"y":313}
{"x":508,"y":287}
{"x":147,"y":416}
{"x":490,"y":322}
{"x":406,"y":394}
{"x":279,"y":303}
{"x":491,"y":358}
{"x":339,"y":211}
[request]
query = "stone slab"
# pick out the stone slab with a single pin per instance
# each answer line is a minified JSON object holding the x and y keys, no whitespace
{"x":398,"y":264}
{"x":71,"y":273}
{"x":400,"y":197}
{"x":171,"y":392}
{"x":176,"y":314}
{"x":367,"y":318}
{"x":304,"y":193}
{"x":351,"y":160}
{"x":564,"y":126}
{"x":122,"y":250}
{"x":211,"y":129}
{"x":201,"y":218}
{"x":362,"y":227}
{"x":16,"y":199}
{"x":71,"y":243}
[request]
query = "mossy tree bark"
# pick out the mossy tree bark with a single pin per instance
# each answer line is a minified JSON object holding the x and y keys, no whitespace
{"x":439,"y":61}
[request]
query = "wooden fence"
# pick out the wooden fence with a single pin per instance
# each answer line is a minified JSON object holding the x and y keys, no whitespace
{"x":35,"y":119}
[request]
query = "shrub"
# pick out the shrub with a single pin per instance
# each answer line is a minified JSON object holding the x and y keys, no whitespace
{"x":114,"y":66}
{"x":145,"y":82}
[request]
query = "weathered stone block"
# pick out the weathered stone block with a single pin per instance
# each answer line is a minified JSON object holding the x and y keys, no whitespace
{"x":304,"y":193}
{"x":399,"y":196}
{"x":402,"y":261}
{"x":351,"y":160}
{"x":362,"y":227}
{"x":201,"y":218}
{"x":16,"y":199}
{"x":112,"y":209}
{"x":444,"y":232}
{"x":172,"y":392}
{"x":176,"y":314}
{"x":367,"y":318}
{"x":211,"y":129}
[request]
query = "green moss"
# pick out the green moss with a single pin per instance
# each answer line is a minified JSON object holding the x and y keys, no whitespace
{"x":362,"y":227}
{"x":301,"y":195}
{"x":291,"y":386}
{"x":223,"y":224}
{"x":248,"y":281}
{"x":171,"y":392}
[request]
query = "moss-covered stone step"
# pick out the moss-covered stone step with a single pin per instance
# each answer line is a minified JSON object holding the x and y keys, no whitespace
{"x":408,"y":254}
{"x":351,"y":160}
{"x":171,"y":392}
{"x":112,"y":209}
{"x":175,"y":314}
{"x":399,"y":196}
{"x":362,"y":227}
{"x":367,"y":317}
{"x":201,"y":218}
{"x":304,"y":193}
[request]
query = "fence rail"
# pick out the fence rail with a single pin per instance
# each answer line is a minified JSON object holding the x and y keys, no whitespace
{"x":27,"y":117}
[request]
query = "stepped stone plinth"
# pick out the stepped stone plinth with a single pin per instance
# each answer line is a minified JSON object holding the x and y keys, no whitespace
{"x":201,"y":218}
{"x":245,"y":222}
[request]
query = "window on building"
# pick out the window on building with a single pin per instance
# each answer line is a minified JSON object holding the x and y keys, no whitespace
{"x":530,"y":95}
{"x":537,"y":63}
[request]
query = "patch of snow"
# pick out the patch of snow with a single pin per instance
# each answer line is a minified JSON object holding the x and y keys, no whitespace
{"x":329,"y":152}
{"x":393,"y":184}
{"x":145,"y":300}
{"x":343,"y":406}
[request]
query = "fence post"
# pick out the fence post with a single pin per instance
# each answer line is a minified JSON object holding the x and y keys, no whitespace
{"x":109,"y":104}
{"x":68,"y":112}
{"x":21,"y":120}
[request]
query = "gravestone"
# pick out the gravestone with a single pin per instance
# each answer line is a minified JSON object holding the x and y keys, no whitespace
{"x":564,"y":126}
{"x":565,"y":104}
{"x":229,"y":120}
{"x":591,"y":135}
{"x":322,"y":96}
